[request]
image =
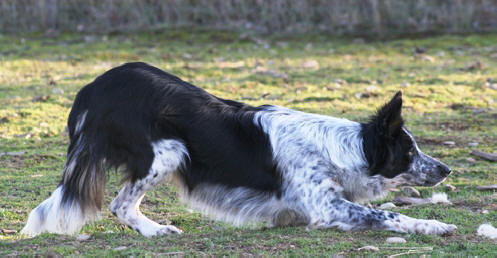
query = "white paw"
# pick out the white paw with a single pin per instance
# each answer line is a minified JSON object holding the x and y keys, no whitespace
{"x":168,"y":230}
{"x":158,"y":230}
{"x":433,"y":227}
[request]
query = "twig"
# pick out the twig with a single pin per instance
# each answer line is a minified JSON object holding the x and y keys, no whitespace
{"x":425,"y":248}
{"x":412,"y":251}
{"x":485,"y":155}
{"x":486,"y":187}
{"x":14,"y":153}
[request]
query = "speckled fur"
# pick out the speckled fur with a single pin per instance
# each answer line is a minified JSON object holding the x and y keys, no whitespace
{"x":325,"y":172}
{"x":170,"y":155}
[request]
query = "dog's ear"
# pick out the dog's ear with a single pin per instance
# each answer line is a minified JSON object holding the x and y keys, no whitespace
{"x":389,"y":120}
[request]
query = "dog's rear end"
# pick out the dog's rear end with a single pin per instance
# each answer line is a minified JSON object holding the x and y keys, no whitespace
{"x":103,"y":134}
{"x":79,"y":196}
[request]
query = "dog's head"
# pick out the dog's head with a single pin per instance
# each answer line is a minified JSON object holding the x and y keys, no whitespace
{"x":392,"y":152}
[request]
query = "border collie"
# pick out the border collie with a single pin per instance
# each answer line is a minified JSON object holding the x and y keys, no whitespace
{"x":235,"y":162}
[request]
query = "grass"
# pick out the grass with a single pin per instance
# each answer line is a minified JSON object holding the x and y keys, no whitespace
{"x":444,"y":101}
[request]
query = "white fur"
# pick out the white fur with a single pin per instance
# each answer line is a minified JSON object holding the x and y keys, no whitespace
{"x":238,"y":206}
{"x":487,"y":230}
{"x":126,"y":206}
{"x":302,"y":141}
{"x":406,"y":224}
{"x":80,"y":122}
{"x":50,"y":217}
{"x":53,"y":217}
{"x":169,"y":155}
{"x":339,"y":140}
{"x":440,"y":198}
{"x":72,"y":157}
{"x":78,"y":148}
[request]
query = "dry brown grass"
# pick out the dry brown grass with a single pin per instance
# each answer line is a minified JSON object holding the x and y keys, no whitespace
{"x":356,"y":17}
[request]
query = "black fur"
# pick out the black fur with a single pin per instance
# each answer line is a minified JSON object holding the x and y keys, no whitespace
{"x":135,"y":104}
{"x":388,"y":149}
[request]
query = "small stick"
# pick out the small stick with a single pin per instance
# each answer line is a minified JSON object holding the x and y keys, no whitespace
{"x":485,"y":155}
{"x":486,"y":187}
{"x":408,"y":252}
{"x":420,"y":248}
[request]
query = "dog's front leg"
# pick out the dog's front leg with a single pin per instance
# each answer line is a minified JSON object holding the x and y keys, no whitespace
{"x":329,"y":210}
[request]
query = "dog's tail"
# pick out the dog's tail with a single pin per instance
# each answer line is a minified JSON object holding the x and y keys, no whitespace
{"x":80,"y":194}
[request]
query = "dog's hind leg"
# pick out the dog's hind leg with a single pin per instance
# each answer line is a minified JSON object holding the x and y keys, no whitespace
{"x":169,"y":156}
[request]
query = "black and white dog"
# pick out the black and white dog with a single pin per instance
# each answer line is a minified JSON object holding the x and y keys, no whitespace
{"x":232,"y":161}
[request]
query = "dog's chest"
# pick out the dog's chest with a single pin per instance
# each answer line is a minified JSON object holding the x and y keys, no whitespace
{"x":360,"y":188}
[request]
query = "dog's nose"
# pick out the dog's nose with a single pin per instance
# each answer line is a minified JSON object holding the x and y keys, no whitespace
{"x":444,"y":170}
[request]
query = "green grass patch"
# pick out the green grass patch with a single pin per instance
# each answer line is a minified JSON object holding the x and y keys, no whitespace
{"x":445,"y":100}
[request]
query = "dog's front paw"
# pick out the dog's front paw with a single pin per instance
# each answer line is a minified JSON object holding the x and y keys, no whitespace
{"x":168,"y":230}
{"x":405,"y":224}
{"x":159,"y":230}
{"x":433,"y":227}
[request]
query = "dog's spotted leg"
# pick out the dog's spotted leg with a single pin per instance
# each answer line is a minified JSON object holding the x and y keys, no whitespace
{"x":329,"y":210}
{"x":350,"y":216}
{"x":405,"y":224}
{"x":169,"y":156}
